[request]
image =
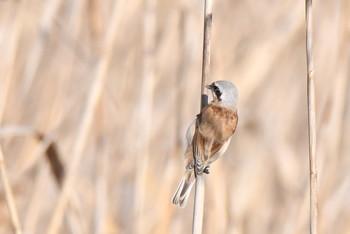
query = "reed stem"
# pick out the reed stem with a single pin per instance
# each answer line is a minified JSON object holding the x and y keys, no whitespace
{"x":199,"y":192}
{"x":311,"y":118}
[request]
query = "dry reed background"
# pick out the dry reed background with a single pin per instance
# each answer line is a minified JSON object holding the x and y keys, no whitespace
{"x":75,"y":72}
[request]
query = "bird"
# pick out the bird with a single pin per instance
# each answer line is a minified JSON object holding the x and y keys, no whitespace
{"x":208,"y":136}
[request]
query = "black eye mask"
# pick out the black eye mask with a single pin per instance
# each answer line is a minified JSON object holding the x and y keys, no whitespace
{"x":217,"y":91}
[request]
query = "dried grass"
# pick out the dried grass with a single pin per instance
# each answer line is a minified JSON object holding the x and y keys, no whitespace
{"x":55,"y":52}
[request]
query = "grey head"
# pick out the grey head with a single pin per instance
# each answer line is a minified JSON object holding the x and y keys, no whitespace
{"x":224,"y":93}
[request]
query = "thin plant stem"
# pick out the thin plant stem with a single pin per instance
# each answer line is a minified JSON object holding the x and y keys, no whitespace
{"x":198,"y":205}
{"x":208,"y":9}
{"x":198,"y":209}
{"x":311,"y":118}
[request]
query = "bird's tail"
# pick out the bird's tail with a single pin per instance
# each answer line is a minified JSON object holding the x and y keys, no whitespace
{"x":184,"y":189}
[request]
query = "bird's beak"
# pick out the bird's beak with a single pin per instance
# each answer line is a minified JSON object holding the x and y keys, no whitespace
{"x":209,"y":87}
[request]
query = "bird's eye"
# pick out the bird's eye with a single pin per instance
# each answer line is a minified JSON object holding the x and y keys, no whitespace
{"x":217,"y":92}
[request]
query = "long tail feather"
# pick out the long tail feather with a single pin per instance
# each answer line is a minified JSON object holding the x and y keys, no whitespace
{"x":184,"y":189}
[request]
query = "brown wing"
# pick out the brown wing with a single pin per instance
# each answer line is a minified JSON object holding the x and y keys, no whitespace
{"x":220,"y":152}
{"x":215,"y":148}
{"x":234,"y":122}
{"x":232,"y":128}
{"x":201,"y":143}
{"x":218,"y":122}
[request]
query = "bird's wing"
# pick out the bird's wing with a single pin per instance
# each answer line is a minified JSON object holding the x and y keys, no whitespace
{"x":190,"y":132}
{"x":189,"y":149}
{"x":218,"y":150}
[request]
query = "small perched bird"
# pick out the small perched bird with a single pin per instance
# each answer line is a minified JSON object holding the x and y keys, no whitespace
{"x":208,"y":136}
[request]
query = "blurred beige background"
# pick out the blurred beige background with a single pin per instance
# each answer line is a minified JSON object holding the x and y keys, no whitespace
{"x":95,"y":98}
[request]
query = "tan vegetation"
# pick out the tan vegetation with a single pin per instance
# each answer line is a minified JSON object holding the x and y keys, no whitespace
{"x":81,"y":98}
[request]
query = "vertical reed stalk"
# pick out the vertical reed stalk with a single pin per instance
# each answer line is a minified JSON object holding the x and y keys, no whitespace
{"x":199,"y":192}
{"x":311,"y":118}
{"x":208,"y":9}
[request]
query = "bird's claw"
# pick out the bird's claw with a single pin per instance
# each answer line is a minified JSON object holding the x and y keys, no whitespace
{"x":206,"y":170}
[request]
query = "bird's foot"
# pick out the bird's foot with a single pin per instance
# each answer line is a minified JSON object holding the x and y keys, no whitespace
{"x":206,"y":170}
